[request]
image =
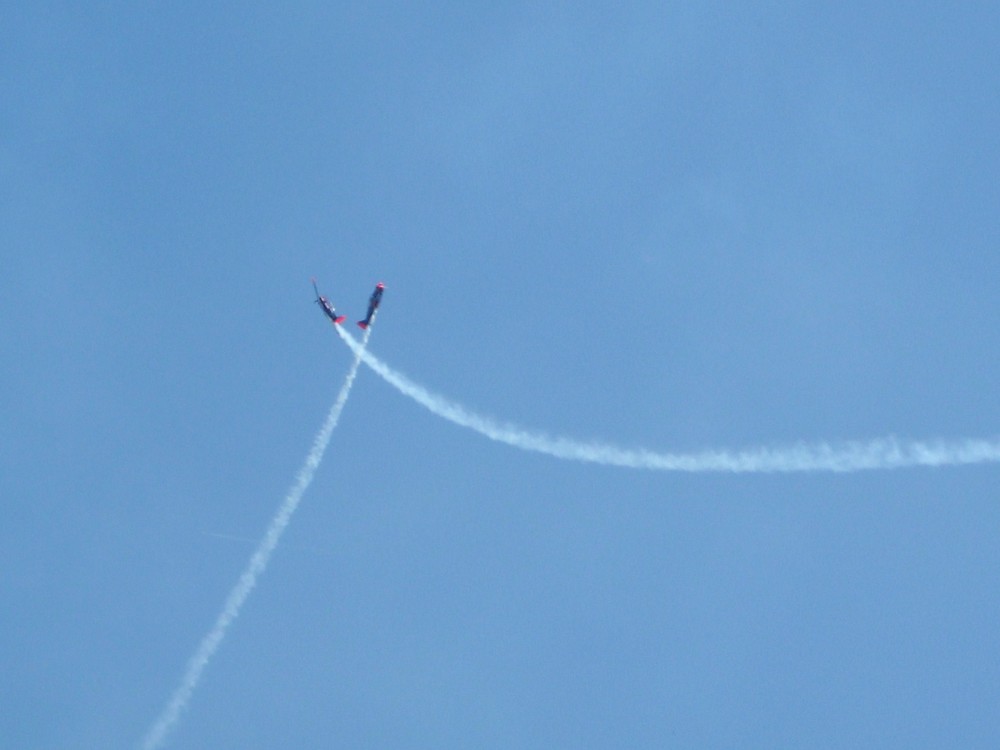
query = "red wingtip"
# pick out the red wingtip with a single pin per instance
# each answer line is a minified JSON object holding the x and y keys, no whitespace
{"x":362,"y":325}
{"x":340,"y":319}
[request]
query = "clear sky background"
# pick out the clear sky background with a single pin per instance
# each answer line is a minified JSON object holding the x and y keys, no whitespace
{"x":708,"y":225}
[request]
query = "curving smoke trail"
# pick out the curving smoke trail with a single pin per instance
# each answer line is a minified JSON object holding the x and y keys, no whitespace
{"x":881,"y":453}
{"x":258,"y":562}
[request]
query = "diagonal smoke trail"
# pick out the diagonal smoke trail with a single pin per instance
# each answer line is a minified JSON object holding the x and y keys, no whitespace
{"x":881,"y":453}
{"x":258,"y":562}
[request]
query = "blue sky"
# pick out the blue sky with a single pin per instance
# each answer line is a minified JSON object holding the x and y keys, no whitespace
{"x":715,"y":226}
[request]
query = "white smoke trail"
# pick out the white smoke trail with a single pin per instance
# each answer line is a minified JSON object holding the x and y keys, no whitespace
{"x":881,"y":453}
{"x":258,"y":562}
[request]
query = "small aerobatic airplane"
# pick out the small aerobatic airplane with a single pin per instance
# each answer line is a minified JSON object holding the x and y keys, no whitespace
{"x":373,"y":303}
{"x":327,"y":307}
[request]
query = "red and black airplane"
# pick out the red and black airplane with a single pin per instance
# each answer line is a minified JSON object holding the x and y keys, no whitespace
{"x":327,"y":307}
{"x":373,"y":303}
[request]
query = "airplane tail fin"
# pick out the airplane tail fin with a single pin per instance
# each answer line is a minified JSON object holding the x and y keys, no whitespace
{"x":362,"y":324}
{"x":340,"y":319}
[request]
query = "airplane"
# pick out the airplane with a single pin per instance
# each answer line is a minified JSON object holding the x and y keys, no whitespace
{"x":327,"y":307}
{"x":373,"y":303}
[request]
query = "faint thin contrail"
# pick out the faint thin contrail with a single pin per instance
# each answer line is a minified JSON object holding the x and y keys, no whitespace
{"x":258,"y":562}
{"x":881,"y":453}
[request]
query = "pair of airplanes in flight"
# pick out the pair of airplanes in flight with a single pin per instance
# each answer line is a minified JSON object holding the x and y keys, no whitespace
{"x":373,"y":303}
